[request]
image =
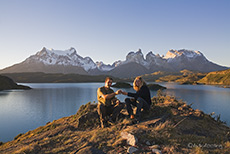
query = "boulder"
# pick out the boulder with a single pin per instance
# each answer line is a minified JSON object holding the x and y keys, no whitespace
{"x":132,"y":150}
{"x":131,"y":139}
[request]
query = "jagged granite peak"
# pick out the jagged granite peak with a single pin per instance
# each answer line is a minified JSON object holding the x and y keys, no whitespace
{"x":137,"y":57}
{"x":153,"y":59}
{"x":150,"y":54}
{"x":117,"y":63}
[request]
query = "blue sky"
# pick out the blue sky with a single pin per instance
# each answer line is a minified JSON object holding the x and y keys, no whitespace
{"x":107,"y":30}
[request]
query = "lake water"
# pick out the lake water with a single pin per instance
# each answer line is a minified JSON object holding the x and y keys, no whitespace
{"x":24,"y":110}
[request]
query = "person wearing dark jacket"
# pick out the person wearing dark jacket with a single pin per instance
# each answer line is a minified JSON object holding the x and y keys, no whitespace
{"x":140,"y":99}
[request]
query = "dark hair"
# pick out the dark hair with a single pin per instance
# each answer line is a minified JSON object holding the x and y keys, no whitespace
{"x":108,"y":78}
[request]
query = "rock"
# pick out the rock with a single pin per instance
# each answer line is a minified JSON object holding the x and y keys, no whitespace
{"x":156,"y":151}
{"x":148,"y":143}
{"x":131,"y":139}
{"x":132,"y":150}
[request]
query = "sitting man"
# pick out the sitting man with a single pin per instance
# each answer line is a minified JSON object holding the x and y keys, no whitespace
{"x":108,"y":105}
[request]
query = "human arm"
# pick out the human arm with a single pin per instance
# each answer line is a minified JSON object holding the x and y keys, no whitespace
{"x":111,"y":95}
{"x":143,"y":93}
{"x":103,"y":95}
{"x":124,"y":93}
{"x":140,"y":93}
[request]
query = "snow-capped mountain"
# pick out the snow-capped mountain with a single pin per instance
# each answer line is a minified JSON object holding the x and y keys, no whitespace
{"x":57,"y":57}
{"x":187,"y":53}
{"x":54,"y":61}
{"x":68,"y":61}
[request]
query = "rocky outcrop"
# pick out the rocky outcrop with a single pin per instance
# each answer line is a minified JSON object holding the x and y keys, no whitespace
{"x":7,"y":83}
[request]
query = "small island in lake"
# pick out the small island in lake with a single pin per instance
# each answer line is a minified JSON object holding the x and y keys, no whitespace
{"x":156,"y":87}
{"x":121,"y":85}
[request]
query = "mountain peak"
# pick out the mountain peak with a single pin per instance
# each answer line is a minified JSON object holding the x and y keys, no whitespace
{"x":136,"y":57}
{"x":139,"y":51}
{"x":182,"y":52}
{"x":43,"y":49}
{"x":150,"y":54}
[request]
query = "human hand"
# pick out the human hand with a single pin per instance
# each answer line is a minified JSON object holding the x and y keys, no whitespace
{"x":118,"y":102}
{"x":118,"y":92}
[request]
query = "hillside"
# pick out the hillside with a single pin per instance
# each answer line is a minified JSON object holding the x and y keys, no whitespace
{"x":40,"y":77}
{"x":169,"y":127}
{"x":217,"y":78}
{"x":7,"y":83}
{"x":182,"y":77}
{"x":156,"y":75}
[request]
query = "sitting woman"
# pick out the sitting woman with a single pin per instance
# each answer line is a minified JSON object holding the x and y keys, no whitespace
{"x":141,"y":99}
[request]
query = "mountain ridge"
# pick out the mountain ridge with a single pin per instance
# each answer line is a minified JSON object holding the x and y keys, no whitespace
{"x":69,"y":61}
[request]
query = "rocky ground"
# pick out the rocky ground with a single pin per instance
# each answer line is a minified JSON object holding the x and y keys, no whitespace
{"x":171,"y":126}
